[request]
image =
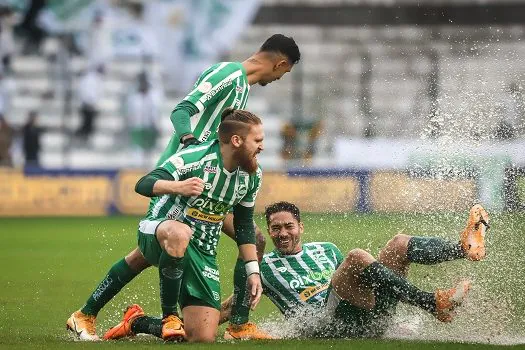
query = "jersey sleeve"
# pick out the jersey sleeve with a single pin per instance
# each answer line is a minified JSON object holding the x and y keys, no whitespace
{"x":185,"y":163}
{"x":215,"y":83}
{"x":338,"y":256}
{"x":249,"y":199}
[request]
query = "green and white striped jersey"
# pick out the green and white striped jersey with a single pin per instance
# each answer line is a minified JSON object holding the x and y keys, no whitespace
{"x":222,"y":85}
{"x":222,"y":191}
{"x":292,"y":281}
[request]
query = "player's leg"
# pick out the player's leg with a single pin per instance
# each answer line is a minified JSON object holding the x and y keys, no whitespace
{"x":82,"y":322}
{"x":173,"y":238}
{"x":240,"y":327}
{"x":200,"y":323}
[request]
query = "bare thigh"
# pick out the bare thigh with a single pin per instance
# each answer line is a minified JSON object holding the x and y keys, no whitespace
{"x":200,"y":323}
{"x":394,"y":254}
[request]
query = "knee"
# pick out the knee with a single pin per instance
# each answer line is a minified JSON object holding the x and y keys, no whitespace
{"x":359,"y":257}
{"x":398,"y":243}
{"x":175,"y":236}
{"x":194,"y":337}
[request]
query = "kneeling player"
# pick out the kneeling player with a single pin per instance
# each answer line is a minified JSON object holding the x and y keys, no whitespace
{"x":358,"y":293}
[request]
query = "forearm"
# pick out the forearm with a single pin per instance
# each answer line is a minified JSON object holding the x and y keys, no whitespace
{"x":248,"y":252}
{"x":155,"y":183}
{"x":180,"y":118}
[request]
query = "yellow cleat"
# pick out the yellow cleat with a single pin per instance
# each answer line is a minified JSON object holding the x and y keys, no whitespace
{"x":448,"y":299}
{"x":83,"y":326}
{"x":473,"y":237}
{"x":245,"y":331}
{"x":123,"y":329}
{"x":173,"y":329}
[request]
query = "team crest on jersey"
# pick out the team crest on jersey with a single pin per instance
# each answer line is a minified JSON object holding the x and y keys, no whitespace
{"x":205,"y":87}
{"x":210,"y":169}
{"x":242,"y":190}
{"x":282,"y":269}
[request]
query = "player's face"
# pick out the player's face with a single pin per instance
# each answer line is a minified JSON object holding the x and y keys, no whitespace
{"x":251,"y":146}
{"x":286,"y":232}
{"x":276,"y":72}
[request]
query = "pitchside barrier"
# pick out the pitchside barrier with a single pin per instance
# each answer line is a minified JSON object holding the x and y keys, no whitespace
{"x":37,"y":192}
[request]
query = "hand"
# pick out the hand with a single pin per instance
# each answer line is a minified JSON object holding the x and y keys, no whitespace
{"x":190,"y":187}
{"x":190,"y":141}
{"x":255,"y":289}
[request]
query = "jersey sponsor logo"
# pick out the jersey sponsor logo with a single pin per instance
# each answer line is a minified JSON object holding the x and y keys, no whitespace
{"x":205,"y":87}
{"x":236,"y":103}
{"x":239,"y":88}
{"x":210,"y":169}
{"x":205,"y":136}
{"x":207,"y":185}
{"x":211,"y":273}
{"x":311,"y":292}
{"x":282,"y":269}
{"x":173,"y":214}
{"x":210,"y":205}
{"x":320,"y":257}
{"x":312,"y":277}
{"x":217,"y":89}
{"x":184,"y":170}
{"x":198,"y":215}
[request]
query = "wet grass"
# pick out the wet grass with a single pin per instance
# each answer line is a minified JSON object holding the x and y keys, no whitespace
{"x":50,"y":265}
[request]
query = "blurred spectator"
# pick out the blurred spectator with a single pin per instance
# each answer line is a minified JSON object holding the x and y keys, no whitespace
{"x":143,"y":112}
{"x":31,"y":139}
{"x":6,"y":139}
{"x":513,"y":114}
{"x":99,"y":50}
{"x":7,"y":88}
{"x":7,"y":41}
{"x":90,"y":91}
{"x":30,"y":28}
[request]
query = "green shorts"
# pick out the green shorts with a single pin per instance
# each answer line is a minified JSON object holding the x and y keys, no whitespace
{"x":200,"y":281}
{"x":349,"y":321}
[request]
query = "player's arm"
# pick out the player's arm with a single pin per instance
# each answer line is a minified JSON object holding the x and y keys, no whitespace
{"x":245,"y":238}
{"x":180,"y":118}
{"x":160,"y":182}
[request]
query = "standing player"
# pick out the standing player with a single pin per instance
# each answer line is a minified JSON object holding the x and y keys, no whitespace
{"x":336,"y":296}
{"x":195,"y":120}
{"x":191,"y":192}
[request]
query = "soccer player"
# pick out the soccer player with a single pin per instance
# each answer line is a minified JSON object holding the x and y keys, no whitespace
{"x":196,"y":120}
{"x":352,"y":296}
{"x":191,"y":192}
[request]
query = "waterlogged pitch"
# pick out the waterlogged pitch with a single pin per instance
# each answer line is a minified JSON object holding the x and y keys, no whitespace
{"x":51,"y":265}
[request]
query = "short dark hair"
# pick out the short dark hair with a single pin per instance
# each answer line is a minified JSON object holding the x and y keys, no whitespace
{"x":280,"y":43}
{"x":282,"y":206}
{"x":236,"y":122}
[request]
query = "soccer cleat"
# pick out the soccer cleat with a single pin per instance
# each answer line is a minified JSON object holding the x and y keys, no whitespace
{"x":473,"y":237}
{"x":245,"y":331}
{"x":82,"y":325}
{"x":448,"y":299}
{"x":123,"y":329}
{"x":173,"y":329}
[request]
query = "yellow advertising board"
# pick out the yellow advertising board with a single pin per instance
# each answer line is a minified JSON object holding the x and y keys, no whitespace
{"x":22,"y":195}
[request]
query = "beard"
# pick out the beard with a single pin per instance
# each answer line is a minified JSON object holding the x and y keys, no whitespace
{"x":246,"y":160}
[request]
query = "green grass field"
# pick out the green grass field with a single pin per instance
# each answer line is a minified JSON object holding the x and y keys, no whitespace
{"x":50,"y":265}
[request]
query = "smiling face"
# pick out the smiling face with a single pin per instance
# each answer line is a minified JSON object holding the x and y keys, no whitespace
{"x":285,"y":232}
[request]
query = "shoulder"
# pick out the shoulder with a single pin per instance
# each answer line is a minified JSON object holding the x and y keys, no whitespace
{"x":195,"y":153}
{"x":327,"y":246}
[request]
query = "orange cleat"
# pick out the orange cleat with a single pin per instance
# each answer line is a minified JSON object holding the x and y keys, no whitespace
{"x":245,"y":331}
{"x":123,"y":329}
{"x":473,"y":237}
{"x":448,"y":299}
{"x":173,"y":329}
{"x":83,"y":326}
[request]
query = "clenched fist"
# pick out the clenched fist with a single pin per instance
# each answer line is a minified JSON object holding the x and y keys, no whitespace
{"x":190,"y":187}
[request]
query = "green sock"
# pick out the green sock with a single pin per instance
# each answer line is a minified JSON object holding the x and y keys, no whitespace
{"x":384,"y":280}
{"x":147,"y":325}
{"x":241,"y":299}
{"x":170,"y":273}
{"x":118,"y":276}
{"x":433,"y":250}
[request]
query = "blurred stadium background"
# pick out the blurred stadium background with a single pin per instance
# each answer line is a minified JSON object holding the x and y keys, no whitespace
{"x":398,"y":107}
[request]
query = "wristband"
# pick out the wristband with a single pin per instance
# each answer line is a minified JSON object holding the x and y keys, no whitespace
{"x":252,"y":267}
